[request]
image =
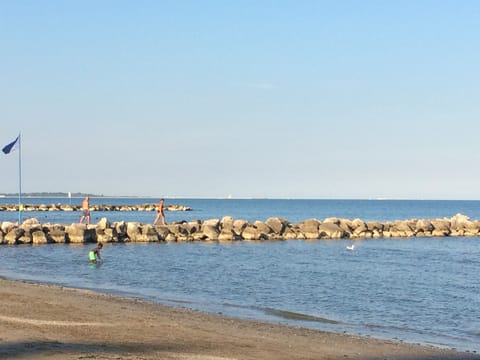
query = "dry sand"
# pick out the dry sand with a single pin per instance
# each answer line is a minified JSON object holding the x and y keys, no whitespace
{"x":51,"y":322}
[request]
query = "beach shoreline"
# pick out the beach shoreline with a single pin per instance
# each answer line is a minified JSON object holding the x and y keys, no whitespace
{"x":43,"y":321}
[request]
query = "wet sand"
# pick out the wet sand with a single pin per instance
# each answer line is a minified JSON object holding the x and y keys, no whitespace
{"x":51,"y":322}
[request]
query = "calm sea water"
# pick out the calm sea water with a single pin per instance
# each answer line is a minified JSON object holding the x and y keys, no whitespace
{"x":423,"y":290}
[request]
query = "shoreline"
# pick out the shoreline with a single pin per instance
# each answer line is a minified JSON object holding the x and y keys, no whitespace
{"x":71,"y":323}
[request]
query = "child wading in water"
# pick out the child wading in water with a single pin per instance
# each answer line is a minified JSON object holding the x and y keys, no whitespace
{"x":94,"y":254}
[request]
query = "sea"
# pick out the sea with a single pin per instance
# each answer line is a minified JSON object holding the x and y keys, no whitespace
{"x":415,"y":290}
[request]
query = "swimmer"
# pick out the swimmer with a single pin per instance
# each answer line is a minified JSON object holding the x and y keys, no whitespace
{"x":94,"y":254}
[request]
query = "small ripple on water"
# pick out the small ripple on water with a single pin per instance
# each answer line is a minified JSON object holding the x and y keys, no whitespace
{"x":285,"y":314}
{"x":290,"y":315}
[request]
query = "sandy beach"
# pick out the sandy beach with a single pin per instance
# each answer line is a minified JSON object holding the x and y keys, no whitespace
{"x":50,"y":322}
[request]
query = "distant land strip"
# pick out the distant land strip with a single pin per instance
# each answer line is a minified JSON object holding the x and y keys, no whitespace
{"x":228,"y":229}
{"x":53,"y":194}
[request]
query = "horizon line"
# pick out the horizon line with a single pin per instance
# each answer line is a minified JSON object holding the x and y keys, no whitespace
{"x":229,"y":197}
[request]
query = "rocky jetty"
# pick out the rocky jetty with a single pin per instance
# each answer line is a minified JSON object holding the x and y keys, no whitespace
{"x":228,"y":229}
{"x":66,"y":207}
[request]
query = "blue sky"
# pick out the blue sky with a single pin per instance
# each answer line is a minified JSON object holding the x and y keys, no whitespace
{"x":280,"y":99}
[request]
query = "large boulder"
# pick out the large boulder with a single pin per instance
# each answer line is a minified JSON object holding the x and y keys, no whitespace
{"x":175,"y":207}
{"x":262,"y":227}
{"x":227,"y":223}
{"x":211,"y":232}
{"x":121,"y":230}
{"x":148,"y":234}
{"x":359,"y":227}
{"x":7,"y":226}
{"x":76,"y":233}
{"x":106,"y":235}
{"x":345,"y":225}
{"x":239,"y":225}
{"x":462,"y":224}
{"x":38,"y":237}
{"x":402,"y":229}
{"x":289,"y":233}
{"x":25,"y":239}
{"x":212,"y":222}
{"x":374,"y":226}
{"x":441,"y":227}
{"x":331,"y":230}
{"x":472,"y":228}
{"x":103,"y":223}
{"x":424,"y":226}
{"x":170,"y":237}
{"x":55,"y":233}
{"x":133,"y":231}
{"x":251,"y":233}
{"x":227,"y":235}
{"x":276,"y":224}
{"x":310,"y":228}
{"x":194,"y":226}
{"x":332,"y":220}
{"x":180,"y":230}
{"x":14,"y":235}
{"x":31,"y":222}
{"x":457,"y":221}
{"x":162,"y":231}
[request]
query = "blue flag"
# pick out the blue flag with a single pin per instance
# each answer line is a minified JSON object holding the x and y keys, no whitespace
{"x":9,"y":147}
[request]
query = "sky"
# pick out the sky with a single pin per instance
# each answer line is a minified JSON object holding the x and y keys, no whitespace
{"x":249,"y":99}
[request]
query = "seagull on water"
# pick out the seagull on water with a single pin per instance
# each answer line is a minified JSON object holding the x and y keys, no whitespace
{"x":350,"y":247}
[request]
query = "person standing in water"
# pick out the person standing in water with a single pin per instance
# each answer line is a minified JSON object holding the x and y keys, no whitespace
{"x":85,"y":210}
{"x":160,"y":213}
{"x":94,"y":254}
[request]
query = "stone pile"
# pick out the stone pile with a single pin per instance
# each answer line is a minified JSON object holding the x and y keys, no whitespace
{"x":67,"y":207}
{"x":228,"y":229}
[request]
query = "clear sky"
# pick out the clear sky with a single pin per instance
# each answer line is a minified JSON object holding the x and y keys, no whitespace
{"x":279,"y":99}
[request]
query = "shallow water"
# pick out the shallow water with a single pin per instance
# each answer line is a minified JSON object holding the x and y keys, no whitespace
{"x":417,"y":290}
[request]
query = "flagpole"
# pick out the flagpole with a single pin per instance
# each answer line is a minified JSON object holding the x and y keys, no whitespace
{"x":19,"y":178}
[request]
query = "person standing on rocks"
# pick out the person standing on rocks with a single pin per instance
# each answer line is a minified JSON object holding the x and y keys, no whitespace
{"x":85,"y":210}
{"x":160,"y":213}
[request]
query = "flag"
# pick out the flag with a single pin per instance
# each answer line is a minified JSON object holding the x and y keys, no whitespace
{"x":9,"y":147}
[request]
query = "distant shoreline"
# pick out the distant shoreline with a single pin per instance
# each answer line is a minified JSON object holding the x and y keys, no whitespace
{"x":73,"y":196}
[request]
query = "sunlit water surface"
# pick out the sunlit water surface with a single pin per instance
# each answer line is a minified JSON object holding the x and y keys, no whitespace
{"x":422,"y":290}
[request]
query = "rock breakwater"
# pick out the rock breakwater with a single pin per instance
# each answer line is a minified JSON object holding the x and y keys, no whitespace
{"x":228,"y":229}
{"x":67,"y":207}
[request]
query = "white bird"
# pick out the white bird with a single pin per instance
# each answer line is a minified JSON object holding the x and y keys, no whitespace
{"x":351,"y":247}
